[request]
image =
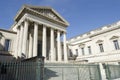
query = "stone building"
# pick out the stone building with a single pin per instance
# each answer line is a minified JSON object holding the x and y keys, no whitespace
{"x":98,"y":46}
{"x":37,"y":31}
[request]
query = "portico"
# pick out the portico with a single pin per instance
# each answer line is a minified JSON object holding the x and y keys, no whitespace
{"x":39,"y":34}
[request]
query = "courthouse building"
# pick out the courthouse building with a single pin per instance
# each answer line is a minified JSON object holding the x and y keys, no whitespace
{"x":41,"y":31}
{"x":97,"y":46}
{"x":37,"y":31}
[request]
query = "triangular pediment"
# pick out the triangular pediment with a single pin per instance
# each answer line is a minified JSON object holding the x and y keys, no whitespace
{"x":47,"y":12}
{"x":81,"y":45}
{"x":99,"y":41}
{"x":114,"y":37}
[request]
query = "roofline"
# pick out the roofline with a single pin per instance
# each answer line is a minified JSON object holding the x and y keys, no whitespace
{"x":109,"y":25}
{"x":19,"y":12}
{"x":32,"y":6}
{"x":60,"y":16}
{"x":8,"y":31}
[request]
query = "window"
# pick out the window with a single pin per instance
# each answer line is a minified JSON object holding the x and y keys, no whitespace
{"x":77,"y":52}
{"x":7,"y":44}
{"x":89,"y":49}
{"x":101,"y":47}
{"x":116,"y":44}
{"x":82,"y":49}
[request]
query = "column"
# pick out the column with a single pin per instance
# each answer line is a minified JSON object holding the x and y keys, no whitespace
{"x":44,"y":42}
{"x":30,"y":45}
{"x":20,"y":41}
{"x":52,"y":45}
{"x":35,"y":41}
{"x":59,"y":46}
{"x":17,"y":42}
{"x":25,"y":36}
{"x":65,"y":47}
{"x":102,"y":72}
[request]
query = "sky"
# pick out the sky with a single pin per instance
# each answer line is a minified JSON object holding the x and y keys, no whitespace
{"x":82,"y":15}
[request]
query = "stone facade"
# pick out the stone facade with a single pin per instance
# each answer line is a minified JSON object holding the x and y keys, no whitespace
{"x":36,"y":31}
{"x":100,"y":45}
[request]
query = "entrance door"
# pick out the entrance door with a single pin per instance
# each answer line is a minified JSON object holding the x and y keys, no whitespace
{"x":39,"y":52}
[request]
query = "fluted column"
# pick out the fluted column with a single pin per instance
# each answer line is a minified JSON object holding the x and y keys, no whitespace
{"x":52,"y":45}
{"x":65,"y":47}
{"x":59,"y":46}
{"x":25,"y":35}
{"x":35,"y":41}
{"x":20,"y":41}
{"x":30,"y":45}
{"x":17,"y":42}
{"x":44,"y":42}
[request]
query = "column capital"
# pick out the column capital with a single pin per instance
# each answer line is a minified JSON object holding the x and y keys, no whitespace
{"x":64,"y":32}
{"x":44,"y":25}
{"x":59,"y":30}
{"x":52,"y":28}
{"x":22,"y":23}
{"x":36,"y":23}
{"x":26,"y":20}
{"x":18,"y":27}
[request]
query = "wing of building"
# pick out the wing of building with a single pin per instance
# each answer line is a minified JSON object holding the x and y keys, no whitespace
{"x":100,"y":45}
{"x":36,"y":31}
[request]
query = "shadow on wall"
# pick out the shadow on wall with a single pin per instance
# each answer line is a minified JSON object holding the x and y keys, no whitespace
{"x":71,"y":55}
{"x":49,"y":74}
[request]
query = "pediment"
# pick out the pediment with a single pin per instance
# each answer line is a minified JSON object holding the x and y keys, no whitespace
{"x":99,"y":41}
{"x":114,"y":37}
{"x":47,"y":12}
{"x":81,"y":45}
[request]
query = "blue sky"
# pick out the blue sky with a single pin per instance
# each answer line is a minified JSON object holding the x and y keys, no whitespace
{"x":83,"y":15}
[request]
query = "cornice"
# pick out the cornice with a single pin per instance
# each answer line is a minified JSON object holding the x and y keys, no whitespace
{"x":96,"y":32}
{"x":8,"y":31}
